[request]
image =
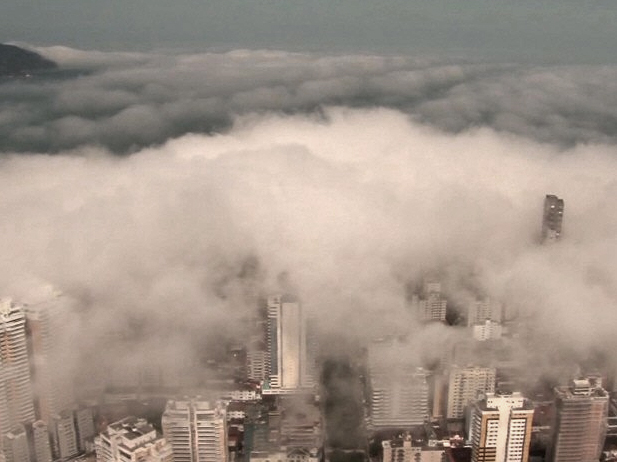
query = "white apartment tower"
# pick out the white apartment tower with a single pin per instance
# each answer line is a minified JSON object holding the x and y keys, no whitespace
{"x":399,"y":390}
{"x":466,"y":384}
{"x":42,"y":446}
{"x":16,"y":400}
{"x":196,"y":430}
{"x":289,"y":366}
{"x":132,"y":440}
{"x":500,"y":428}
{"x":64,"y":435}
{"x":430,"y":306}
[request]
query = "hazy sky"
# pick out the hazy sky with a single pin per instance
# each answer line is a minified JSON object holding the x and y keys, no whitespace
{"x":564,"y":31}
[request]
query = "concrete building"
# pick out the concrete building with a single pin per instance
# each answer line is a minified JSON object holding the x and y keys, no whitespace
{"x":84,"y":425}
{"x":500,"y":428}
{"x":45,"y":323}
{"x":15,"y":445}
{"x":403,"y":450}
{"x":399,"y":391}
{"x":290,"y":368}
{"x":64,"y":435}
{"x":16,"y":399}
{"x":196,"y":430}
{"x":40,"y":442}
{"x":429,"y":305}
{"x":132,"y":440}
{"x":489,"y":330}
{"x":479,"y":311}
{"x":552,"y":218}
{"x":580,"y":423}
{"x":466,"y":384}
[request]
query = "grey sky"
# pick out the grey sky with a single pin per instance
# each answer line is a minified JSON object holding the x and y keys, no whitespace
{"x":555,"y":31}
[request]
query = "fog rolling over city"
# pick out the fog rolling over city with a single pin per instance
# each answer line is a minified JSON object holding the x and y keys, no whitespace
{"x":166,"y":196}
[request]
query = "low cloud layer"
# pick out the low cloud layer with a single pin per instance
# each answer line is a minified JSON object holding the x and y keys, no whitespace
{"x":344,"y":178}
{"x":175,"y":244}
{"x":127,"y":101}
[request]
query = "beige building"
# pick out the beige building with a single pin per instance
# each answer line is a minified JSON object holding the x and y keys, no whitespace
{"x":500,"y":428}
{"x":580,"y":424}
{"x":465,"y":386}
{"x":132,"y":440}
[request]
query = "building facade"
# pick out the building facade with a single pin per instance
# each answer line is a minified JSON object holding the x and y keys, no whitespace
{"x":500,"y":428}
{"x":289,"y":365}
{"x":196,"y":430}
{"x":465,"y":385}
{"x":132,"y":440}
{"x":399,"y":391}
{"x":581,"y":422}
{"x":430,"y":305}
{"x":16,"y":398}
{"x":552,"y":218}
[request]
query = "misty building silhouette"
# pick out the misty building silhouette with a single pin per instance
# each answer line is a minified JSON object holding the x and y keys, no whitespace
{"x":552,"y":218}
{"x":289,"y":366}
{"x":430,"y":306}
{"x":16,"y":445}
{"x":500,"y":428}
{"x":196,"y":430}
{"x":44,"y":322}
{"x":580,"y":424}
{"x":399,"y":390}
{"x":16,"y":400}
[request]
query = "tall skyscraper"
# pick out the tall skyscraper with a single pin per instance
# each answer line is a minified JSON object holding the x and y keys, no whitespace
{"x":465,"y":386}
{"x":399,"y":390}
{"x":44,"y":321}
{"x":132,"y":440}
{"x":500,"y":428}
{"x":196,"y":430}
{"x":552,"y":218}
{"x":16,"y":400}
{"x":581,"y":421}
{"x":289,"y":365}
{"x":430,"y":306}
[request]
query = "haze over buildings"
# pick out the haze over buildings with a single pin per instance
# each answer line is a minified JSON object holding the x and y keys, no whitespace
{"x":382,"y":166}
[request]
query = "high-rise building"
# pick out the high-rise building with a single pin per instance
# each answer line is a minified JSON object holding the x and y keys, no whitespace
{"x":500,"y":428}
{"x":132,"y":440}
{"x":41,"y":443}
{"x":196,"y":430}
{"x":465,"y":386}
{"x":552,"y":218}
{"x":430,"y":306}
{"x":399,"y":390}
{"x":84,"y":425}
{"x":488,"y":330}
{"x":44,"y":322}
{"x":479,"y":311}
{"x":16,"y":400}
{"x":16,"y":445}
{"x":289,"y":366}
{"x":581,"y":422}
{"x":64,"y":435}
